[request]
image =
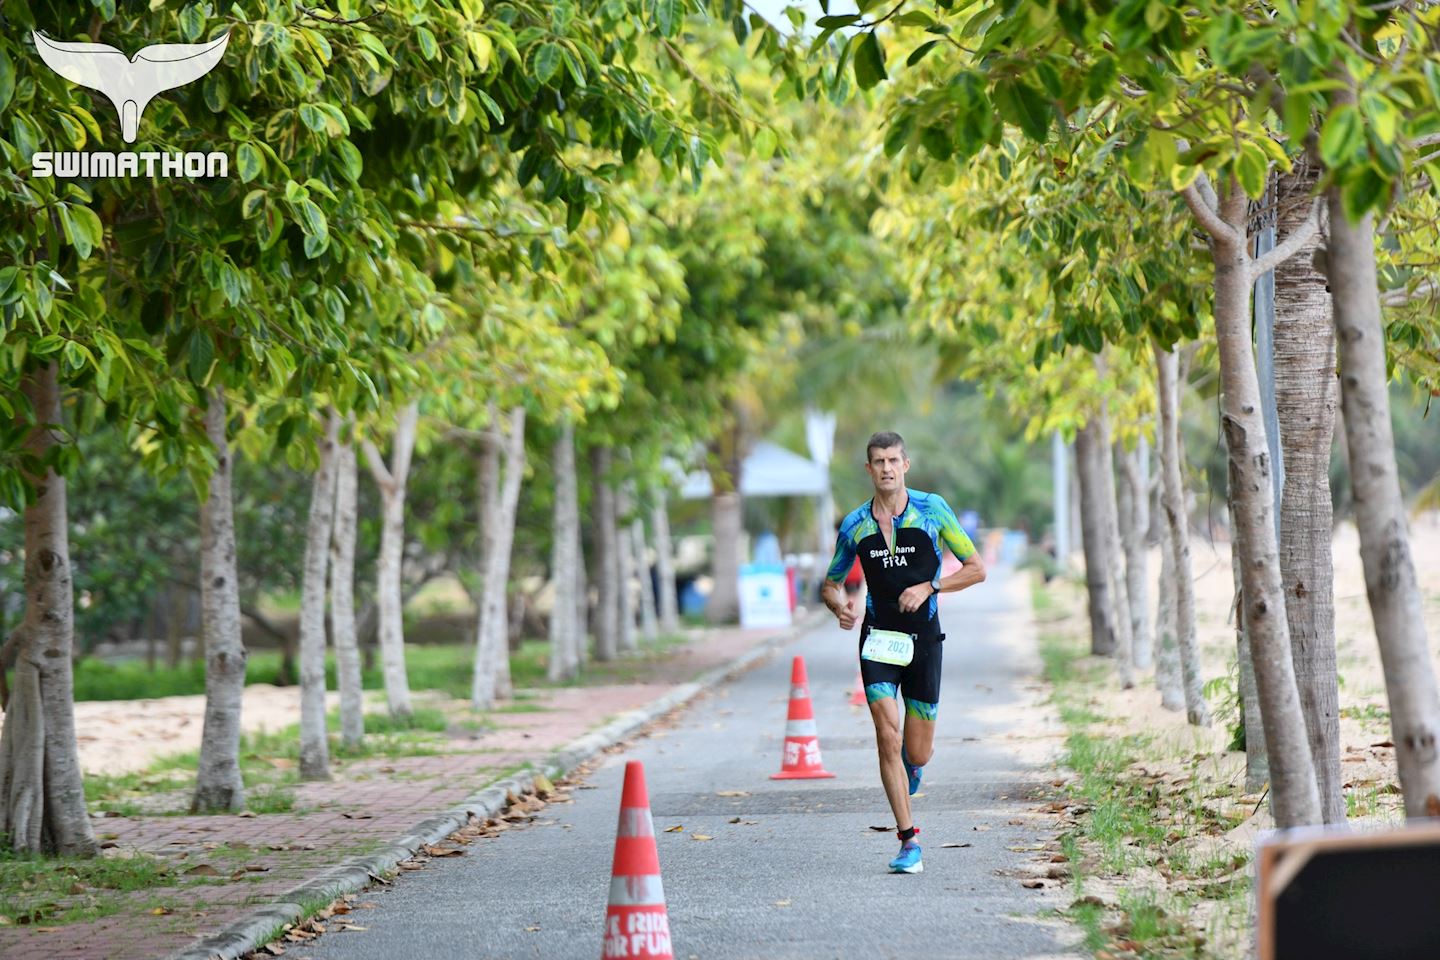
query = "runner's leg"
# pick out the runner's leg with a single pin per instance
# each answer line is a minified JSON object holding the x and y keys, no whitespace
{"x":885,"y":711}
{"x":919,"y":731}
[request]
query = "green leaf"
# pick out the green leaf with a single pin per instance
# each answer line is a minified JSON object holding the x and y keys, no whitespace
{"x":869,"y":62}
{"x":548,"y":61}
{"x":429,"y":48}
{"x":839,"y":20}
{"x":1025,"y":107}
{"x":1252,"y":167}
{"x":7,"y":80}
{"x":192,"y":23}
{"x":350,"y":160}
{"x":248,"y":162}
{"x":1342,"y":137}
{"x":919,"y":52}
{"x":1364,"y":191}
{"x":201,"y":355}
{"x":311,"y":116}
{"x":669,"y":14}
{"x":491,"y":106}
{"x":915,"y":18}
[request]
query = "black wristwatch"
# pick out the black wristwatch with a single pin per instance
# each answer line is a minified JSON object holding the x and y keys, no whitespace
{"x":935,"y":585}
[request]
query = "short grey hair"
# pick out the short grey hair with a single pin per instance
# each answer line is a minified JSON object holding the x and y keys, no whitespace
{"x":883,"y":440}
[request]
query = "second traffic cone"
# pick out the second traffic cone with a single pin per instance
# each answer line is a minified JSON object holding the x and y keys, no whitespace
{"x":857,"y":696}
{"x":636,"y":923}
{"x":802,"y":743}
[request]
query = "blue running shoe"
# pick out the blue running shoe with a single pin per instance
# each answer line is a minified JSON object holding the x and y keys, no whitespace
{"x":908,"y":860}
{"x":911,"y":771}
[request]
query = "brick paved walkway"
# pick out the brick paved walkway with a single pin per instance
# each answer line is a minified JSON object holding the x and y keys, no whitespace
{"x":236,"y":862}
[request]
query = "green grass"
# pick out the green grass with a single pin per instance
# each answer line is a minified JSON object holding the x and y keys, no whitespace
{"x":1128,"y":822}
{"x":444,"y":667}
{"x":50,"y":891}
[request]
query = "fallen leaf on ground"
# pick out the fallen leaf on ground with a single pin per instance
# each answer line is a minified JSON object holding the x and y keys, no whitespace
{"x":45,"y":929}
{"x":531,"y":929}
{"x":732,"y":793}
{"x":358,"y":816}
{"x":881,"y":829}
{"x":353,"y":928}
{"x":543,"y":786}
{"x":1384,"y":743}
{"x":367,"y":905}
{"x":160,"y":911}
{"x":412,"y":866}
{"x":1059,"y":858}
{"x":275,"y":949}
{"x":202,"y":870}
{"x":246,"y":813}
{"x":678,"y":828}
{"x":700,"y":836}
{"x":443,"y":851}
{"x":1088,"y":901}
{"x":956,"y":844}
{"x":256,"y":868}
{"x":748,"y":823}
{"x":782,"y":903}
{"x":1033,"y":884}
{"x":981,"y":826}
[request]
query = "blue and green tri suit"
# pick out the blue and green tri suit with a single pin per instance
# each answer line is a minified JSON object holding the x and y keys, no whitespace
{"x":923,"y":529}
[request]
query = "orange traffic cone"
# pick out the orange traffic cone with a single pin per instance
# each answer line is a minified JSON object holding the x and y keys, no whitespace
{"x":857,"y":696}
{"x":802,"y":744}
{"x":636,"y":923}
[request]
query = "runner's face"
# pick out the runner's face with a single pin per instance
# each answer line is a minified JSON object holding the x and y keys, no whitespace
{"x":887,"y":468}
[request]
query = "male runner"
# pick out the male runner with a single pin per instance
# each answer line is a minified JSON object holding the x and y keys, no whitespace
{"x":899,"y":536}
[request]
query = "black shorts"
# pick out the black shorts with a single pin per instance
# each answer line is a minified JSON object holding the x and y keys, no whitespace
{"x":918,"y":680}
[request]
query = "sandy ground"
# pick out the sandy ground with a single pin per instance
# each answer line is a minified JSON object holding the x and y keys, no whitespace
{"x":1362,"y":686}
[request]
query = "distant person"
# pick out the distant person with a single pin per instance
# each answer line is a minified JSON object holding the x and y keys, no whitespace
{"x":767,"y":549}
{"x":854,"y":579}
{"x":899,"y":537}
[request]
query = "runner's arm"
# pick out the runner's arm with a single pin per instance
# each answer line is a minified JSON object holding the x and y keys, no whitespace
{"x":832,"y":593}
{"x":972,"y":567}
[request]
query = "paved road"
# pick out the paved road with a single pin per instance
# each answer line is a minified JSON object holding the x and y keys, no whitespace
{"x":802,"y":876}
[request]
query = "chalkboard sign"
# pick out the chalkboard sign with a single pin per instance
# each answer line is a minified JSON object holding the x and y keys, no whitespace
{"x":1357,"y":896}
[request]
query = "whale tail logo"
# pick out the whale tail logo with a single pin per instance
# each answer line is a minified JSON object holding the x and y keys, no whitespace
{"x":130,"y":83}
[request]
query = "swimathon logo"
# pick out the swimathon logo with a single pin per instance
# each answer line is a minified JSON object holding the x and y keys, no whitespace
{"x":130,"y":84}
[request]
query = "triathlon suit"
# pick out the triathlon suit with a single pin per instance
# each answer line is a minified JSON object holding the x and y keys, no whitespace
{"x":921,"y":532}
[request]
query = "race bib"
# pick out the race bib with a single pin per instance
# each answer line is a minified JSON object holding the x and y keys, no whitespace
{"x":888,"y":646}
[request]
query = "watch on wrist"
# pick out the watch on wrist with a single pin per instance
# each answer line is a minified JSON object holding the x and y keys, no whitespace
{"x":935,"y":584}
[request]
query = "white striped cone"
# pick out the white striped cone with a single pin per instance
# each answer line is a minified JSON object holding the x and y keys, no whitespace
{"x":801,"y":760}
{"x":636,"y":922}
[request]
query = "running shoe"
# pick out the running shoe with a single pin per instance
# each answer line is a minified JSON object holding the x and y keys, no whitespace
{"x":908,"y":860}
{"x":911,"y":771}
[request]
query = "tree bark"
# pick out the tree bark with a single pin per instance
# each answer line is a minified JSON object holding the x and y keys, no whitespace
{"x":566,"y":636}
{"x":1135,"y":521}
{"x":42,"y":795}
{"x":1177,"y":527}
{"x":218,"y":784}
{"x":1168,"y":675}
{"x":668,"y":602}
{"x":342,"y":599}
{"x":1257,"y":762}
{"x":389,"y":597}
{"x":1294,"y":797}
{"x":1305,"y":399}
{"x":492,"y":648}
{"x":625,"y":564}
{"x":1390,"y":585}
{"x":1124,"y":651}
{"x":649,"y":622}
{"x":726,"y":515}
{"x":1094,"y":540}
{"x":602,"y":510}
{"x":314,"y":740}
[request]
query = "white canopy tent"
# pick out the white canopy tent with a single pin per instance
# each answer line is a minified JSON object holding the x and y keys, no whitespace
{"x":769,"y":471}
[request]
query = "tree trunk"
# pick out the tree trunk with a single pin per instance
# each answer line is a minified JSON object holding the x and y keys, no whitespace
{"x":218,"y":785}
{"x":625,"y":564}
{"x":492,"y":649}
{"x":1305,"y":398}
{"x":342,"y":599}
{"x":649,"y":624}
{"x":726,"y":517}
{"x":388,"y":587}
{"x":664,"y":564}
{"x":314,"y":740}
{"x":1088,"y":464}
{"x":1178,"y":534}
{"x":487,"y":473}
{"x":1390,"y":585}
{"x":566,"y":636}
{"x":42,"y":796}
{"x":1168,"y":675}
{"x":1124,"y":651}
{"x":1257,"y":763}
{"x":602,"y":511}
{"x":179,"y":598}
{"x":1135,"y":516}
{"x":1294,"y":797}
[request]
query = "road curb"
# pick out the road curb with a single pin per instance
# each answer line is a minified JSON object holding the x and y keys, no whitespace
{"x":261,"y":924}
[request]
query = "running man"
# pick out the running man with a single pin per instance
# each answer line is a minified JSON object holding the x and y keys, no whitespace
{"x":899,"y":536}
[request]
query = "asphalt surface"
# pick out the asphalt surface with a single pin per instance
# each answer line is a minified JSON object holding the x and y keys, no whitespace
{"x":801,"y":875}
